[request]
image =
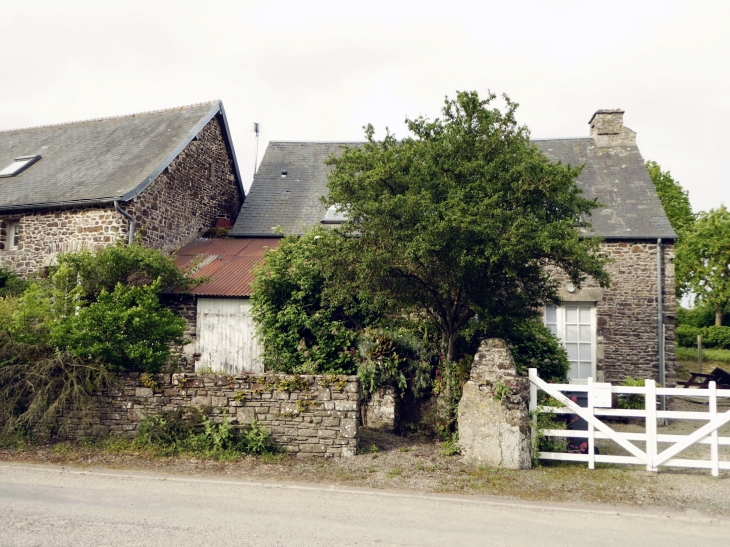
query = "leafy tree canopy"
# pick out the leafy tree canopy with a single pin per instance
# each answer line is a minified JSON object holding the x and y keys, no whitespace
{"x":674,"y":198}
{"x":703,"y":260}
{"x":462,"y":219}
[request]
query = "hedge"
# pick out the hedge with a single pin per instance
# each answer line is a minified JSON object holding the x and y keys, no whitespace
{"x":712,"y":337}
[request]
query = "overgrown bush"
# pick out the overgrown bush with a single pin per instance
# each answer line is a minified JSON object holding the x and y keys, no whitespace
{"x":633,"y":401}
{"x":305,"y":326}
{"x":41,"y":389}
{"x":63,"y":336}
{"x":10,"y":283}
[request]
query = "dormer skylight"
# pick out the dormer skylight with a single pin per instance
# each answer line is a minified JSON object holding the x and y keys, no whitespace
{"x":335,"y":215}
{"x":18,"y":165}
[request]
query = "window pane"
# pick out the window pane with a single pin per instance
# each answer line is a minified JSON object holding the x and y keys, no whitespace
{"x":551,"y":314}
{"x":571,"y":333}
{"x":585,"y":333}
{"x":572,"y":350}
{"x":573,"y":373}
{"x":585,"y":315}
{"x":585,"y":369}
{"x":585,"y":352}
{"x":553,"y":329}
{"x":571,"y":314}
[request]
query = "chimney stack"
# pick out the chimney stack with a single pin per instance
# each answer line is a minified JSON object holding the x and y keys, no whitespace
{"x":607,"y":129}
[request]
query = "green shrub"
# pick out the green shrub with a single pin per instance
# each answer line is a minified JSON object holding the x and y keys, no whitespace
{"x":712,"y":337}
{"x":687,"y":335}
{"x":10,"y":283}
{"x":633,"y":400}
{"x":534,"y":346}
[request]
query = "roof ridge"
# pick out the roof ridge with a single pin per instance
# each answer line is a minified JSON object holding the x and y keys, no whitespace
{"x":105,"y":118}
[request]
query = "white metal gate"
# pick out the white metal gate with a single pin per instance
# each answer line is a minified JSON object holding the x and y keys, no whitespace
{"x":226,"y":336}
{"x":599,"y":402}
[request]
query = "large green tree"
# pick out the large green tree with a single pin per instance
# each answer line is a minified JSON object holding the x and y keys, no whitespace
{"x":674,"y":198}
{"x":463,"y":219}
{"x":703,"y":260}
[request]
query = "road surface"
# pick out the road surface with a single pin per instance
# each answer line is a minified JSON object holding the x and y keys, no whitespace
{"x":53,"y":506}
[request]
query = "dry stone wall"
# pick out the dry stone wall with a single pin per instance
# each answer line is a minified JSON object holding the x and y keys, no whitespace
{"x":306,"y":415}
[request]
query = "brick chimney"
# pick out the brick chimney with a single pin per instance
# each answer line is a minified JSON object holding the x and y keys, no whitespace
{"x":607,"y":129}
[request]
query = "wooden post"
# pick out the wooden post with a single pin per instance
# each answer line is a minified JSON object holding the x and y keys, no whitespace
{"x":532,"y":373}
{"x":714,"y":453}
{"x":651,"y":439}
{"x":699,"y":353}
{"x":591,"y":433}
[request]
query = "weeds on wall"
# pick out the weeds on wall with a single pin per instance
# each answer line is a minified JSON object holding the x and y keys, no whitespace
{"x":192,"y":431}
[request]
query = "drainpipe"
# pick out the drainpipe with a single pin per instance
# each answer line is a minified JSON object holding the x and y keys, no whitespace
{"x":132,"y":223}
{"x":660,"y":322}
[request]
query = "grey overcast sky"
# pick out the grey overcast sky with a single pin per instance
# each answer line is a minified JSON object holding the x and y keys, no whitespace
{"x":320,"y":70}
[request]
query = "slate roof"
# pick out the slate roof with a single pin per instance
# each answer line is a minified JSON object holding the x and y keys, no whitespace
{"x":616,"y":176}
{"x":227,"y":262}
{"x":292,"y":202}
{"x":100,"y":160}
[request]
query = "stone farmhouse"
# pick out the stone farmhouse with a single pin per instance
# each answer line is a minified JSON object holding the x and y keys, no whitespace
{"x":609,"y":333}
{"x":166,"y":175}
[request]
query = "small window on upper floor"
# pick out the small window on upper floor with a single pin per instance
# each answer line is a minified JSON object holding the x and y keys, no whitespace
{"x":18,"y":165}
{"x":13,"y":235}
{"x":335,"y":215}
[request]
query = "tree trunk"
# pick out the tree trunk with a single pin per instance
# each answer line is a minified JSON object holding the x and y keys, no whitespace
{"x":451,"y":351}
{"x":718,"y":316}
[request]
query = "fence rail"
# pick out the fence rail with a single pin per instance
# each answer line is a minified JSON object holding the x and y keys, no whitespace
{"x":599,"y":398}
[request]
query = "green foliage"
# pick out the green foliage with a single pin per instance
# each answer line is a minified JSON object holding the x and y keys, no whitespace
{"x":132,"y":265}
{"x":10,"y":283}
{"x":191,"y":431}
{"x":712,"y":337}
{"x":450,"y":447}
{"x":674,"y":198}
{"x":534,"y":346}
{"x":632,"y":401}
{"x":703,"y":260}
{"x":699,"y":316}
{"x":128,"y":329}
{"x":304,"y":325}
{"x":460,"y":219}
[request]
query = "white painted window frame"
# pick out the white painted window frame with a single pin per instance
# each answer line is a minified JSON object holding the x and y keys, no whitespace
{"x":13,"y":232}
{"x":561,"y":333}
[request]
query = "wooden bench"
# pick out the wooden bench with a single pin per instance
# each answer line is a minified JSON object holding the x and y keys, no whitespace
{"x":719,"y":376}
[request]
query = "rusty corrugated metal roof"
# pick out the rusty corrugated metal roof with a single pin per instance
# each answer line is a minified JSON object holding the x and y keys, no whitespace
{"x":227,"y":262}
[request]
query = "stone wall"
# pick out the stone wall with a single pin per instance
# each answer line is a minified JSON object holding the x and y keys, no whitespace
{"x":185,"y":305}
{"x":494,"y":418}
{"x":186,"y":198}
{"x":182,"y":201}
{"x":306,"y":415}
{"x":45,"y":233}
{"x":381,"y":410}
{"x":626,"y":312}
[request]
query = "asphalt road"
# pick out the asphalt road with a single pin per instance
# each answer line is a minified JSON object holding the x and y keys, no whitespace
{"x":75,"y":507}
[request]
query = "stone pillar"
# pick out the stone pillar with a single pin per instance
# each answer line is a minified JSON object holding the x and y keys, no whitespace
{"x":494,"y":422}
{"x":381,"y":409}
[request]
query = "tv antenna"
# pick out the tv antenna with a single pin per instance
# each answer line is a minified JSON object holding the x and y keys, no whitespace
{"x":256,"y":158}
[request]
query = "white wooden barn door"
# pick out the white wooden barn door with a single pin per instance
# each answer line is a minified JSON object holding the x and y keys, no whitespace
{"x":226,"y":336}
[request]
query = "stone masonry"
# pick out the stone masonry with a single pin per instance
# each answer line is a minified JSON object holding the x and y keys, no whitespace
{"x":494,"y":420}
{"x":306,"y":415}
{"x":626,"y":312}
{"x":184,"y":199}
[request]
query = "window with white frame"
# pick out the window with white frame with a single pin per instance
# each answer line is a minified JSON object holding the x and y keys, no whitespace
{"x":13,"y":235}
{"x":575,"y":326}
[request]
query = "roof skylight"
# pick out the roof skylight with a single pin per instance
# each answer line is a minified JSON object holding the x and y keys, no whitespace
{"x":18,"y":165}
{"x":335,"y":215}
